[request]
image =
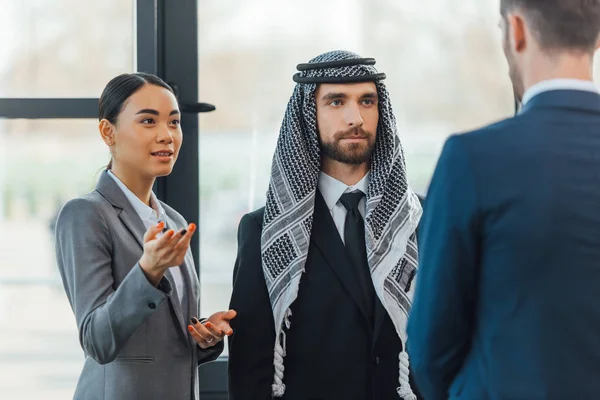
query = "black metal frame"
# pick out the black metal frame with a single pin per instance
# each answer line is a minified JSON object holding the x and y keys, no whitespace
{"x":167,"y":46}
{"x":147,"y":36}
{"x":48,"y":108}
{"x":178,"y":66}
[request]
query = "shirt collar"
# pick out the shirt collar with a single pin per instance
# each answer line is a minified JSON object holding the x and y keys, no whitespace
{"x":332,"y":189}
{"x":559,"y":84}
{"x":143,"y":210}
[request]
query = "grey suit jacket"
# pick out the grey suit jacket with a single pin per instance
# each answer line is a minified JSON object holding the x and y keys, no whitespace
{"x":133,"y":334}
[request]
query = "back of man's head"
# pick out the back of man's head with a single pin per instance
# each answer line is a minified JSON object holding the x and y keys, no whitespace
{"x":559,"y":25}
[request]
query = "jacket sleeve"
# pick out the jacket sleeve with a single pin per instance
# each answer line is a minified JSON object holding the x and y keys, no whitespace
{"x":209,"y":354}
{"x":106,"y":317}
{"x":251,"y":345}
{"x":441,"y":319}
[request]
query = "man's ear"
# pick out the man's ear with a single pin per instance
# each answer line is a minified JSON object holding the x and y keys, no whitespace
{"x":517,"y":32}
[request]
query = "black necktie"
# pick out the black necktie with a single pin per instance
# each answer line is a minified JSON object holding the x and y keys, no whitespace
{"x":354,"y":239}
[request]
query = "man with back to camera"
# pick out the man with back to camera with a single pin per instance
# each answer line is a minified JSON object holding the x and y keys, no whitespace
{"x":507,"y":303}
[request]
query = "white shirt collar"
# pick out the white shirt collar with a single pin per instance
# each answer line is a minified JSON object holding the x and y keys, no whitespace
{"x":332,"y":189}
{"x":559,"y":84}
{"x":145,"y":212}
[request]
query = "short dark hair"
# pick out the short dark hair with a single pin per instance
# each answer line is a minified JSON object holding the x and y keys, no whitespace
{"x":119,"y":90}
{"x":560,"y":24}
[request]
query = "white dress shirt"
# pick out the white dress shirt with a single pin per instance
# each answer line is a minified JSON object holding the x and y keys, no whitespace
{"x":151,"y":216}
{"x":559,"y":84}
{"x":332,"y":190}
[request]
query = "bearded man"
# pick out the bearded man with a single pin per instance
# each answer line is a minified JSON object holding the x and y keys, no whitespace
{"x":324,"y":273}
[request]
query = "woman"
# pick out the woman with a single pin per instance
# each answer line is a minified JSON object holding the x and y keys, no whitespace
{"x":125,"y":262}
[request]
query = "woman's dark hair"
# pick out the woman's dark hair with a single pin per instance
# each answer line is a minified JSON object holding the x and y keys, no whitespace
{"x":119,"y":90}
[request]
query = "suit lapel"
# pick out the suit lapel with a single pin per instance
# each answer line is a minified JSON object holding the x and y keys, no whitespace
{"x":134,"y":224}
{"x":175,"y":306}
{"x":174,"y":298}
{"x":326,"y":237}
{"x":110,"y":191}
{"x":192,"y":286}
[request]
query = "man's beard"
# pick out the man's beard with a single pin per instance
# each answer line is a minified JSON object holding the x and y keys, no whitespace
{"x":352,"y":153}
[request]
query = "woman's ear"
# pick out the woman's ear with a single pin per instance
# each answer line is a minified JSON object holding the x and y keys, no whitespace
{"x":107,"y":132}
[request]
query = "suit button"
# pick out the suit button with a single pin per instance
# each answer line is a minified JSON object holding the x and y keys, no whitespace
{"x":152,"y":305}
{"x":375,"y":360}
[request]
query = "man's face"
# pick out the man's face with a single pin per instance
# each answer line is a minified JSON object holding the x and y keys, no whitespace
{"x":347,"y":119}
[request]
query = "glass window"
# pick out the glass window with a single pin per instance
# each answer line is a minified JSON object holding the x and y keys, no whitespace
{"x":65,"y":48}
{"x":444,"y":77}
{"x":43,"y":163}
{"x":446,"y":73}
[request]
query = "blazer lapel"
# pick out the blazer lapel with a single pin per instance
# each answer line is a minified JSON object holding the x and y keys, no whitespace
{"x":174,"y":298}
{"x":326,"y":237}
{"x":192,"y":285}
{"x":176,"y":307}
{"x":110,"y":191}
{"x":134,"y":224}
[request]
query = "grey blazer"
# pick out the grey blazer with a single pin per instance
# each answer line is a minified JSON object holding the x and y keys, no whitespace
{"x":134,"y":335}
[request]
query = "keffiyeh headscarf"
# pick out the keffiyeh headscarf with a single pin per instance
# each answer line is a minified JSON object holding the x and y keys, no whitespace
{"x":393,"y":210}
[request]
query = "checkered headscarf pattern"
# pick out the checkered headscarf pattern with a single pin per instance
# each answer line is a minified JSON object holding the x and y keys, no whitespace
{"x":393,"y":210}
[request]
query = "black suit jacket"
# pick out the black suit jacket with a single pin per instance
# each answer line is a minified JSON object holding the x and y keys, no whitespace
{"x":333,"y":352}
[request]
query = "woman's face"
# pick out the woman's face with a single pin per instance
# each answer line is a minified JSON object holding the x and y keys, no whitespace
{"x":147,"y":135}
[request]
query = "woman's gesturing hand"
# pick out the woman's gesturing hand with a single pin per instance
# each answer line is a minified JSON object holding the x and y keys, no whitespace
{"x":213,"y":330}
{"x":168,"y":250}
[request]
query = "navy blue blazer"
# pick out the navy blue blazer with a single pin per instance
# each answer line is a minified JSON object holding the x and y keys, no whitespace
{"x":507,"y":302}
